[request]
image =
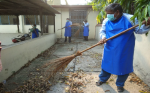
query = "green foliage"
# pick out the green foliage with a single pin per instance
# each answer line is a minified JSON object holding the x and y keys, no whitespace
{"x":139,"y":8}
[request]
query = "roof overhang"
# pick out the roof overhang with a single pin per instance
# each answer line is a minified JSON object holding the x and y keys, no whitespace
{"x":71,"y":6}
{"x":26,"y":7}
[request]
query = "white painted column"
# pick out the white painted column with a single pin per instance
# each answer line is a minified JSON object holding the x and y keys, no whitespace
{"x":21,"y":23}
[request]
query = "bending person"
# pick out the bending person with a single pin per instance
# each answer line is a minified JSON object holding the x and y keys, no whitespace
{"x":35,"y":31}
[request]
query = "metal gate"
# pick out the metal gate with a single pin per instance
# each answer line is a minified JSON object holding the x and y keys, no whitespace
{"x":77,"y":16}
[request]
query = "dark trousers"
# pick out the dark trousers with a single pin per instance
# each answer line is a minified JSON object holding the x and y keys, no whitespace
{"x":104,"y":76}
{"x":86,"y":38}
{"x":69,"y":39}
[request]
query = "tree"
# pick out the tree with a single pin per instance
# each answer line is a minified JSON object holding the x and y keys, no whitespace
{"x":139,"y":8}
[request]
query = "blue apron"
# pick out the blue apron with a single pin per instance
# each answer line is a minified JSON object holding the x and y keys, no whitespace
{"x":118,"y":52}
{"x":34,"y":34}
{"x":67,"y":29}
{"x":86,"y":31}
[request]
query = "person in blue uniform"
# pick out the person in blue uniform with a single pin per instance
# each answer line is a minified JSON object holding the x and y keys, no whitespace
{"x":86,"y":30}
{"x":68,"y":30}
{"x":118,"y":52}
{"x":35,"y":31}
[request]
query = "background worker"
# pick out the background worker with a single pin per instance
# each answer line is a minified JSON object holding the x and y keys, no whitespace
{"x":35,"y":31}
{"x":68,"y":30}
{"x":86,"y":30}
{"x":118,"y":52}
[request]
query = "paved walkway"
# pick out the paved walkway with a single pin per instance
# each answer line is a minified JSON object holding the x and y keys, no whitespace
{"x":87,"y":67}
{"x":90,"y":63}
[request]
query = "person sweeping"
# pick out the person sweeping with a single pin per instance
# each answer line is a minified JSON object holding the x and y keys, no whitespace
{"x":86,"y":30}
{"x":68,"y":30}
{"x":35,"y":31}
{"x":118,"y":52}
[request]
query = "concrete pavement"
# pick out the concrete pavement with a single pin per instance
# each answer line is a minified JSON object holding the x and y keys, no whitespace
{"x":87,"y":67}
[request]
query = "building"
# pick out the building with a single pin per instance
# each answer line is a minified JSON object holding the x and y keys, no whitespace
{"x":77,"y":14}
{"x":18,"y":17}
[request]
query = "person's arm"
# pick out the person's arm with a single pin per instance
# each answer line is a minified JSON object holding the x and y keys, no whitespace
{"x":64,"y":26}
{"x":103,"y":29}
{"x":87,"y":24}
{"x":31,"y":30}
{"x":102,"y":32}
{"x":38,"y":30}
{"x":144,"y":28}
{"x":70,"y":23}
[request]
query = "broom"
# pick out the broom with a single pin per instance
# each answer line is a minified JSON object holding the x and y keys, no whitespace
{"x":61,"y":63}
{"x":74,"y":24}
{"x":32,"y":26}
{"x":77,"y":32}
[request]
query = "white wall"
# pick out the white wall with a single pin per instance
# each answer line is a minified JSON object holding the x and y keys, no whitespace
{"x":142,"y":57}
{"x":13,"y":28}
{"x":60,"y":20}
{"x":92,"y":22}
{"x":65,"y":14}
{"x":15,"y":56}
{"x":8,"y":29}
{"x":50,"y":29}
{"x":54,"y":2}
{"x":22,"y":27}
{"x":97,"y":36}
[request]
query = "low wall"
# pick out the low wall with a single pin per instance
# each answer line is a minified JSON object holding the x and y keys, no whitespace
{"x":15,"y":56}
{"x":141,"y":60}
{"x":6,"y":38}
{"x":142,"y":57}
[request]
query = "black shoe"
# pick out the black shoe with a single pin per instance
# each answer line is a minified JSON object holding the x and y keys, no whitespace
{"x":99,"y":83}
{"x":120,"y":89}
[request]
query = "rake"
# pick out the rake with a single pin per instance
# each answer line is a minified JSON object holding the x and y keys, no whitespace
{"x":60,"y":64}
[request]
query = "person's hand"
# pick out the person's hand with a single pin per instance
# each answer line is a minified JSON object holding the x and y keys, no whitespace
{"x":148,"y":21}
{"x":102,"y":41}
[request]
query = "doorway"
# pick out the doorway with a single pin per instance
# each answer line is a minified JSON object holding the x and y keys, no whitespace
{"x":77,"y":16}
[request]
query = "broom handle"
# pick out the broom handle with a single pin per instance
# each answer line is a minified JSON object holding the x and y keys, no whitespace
{"x":114,"y":36}
{"x":32,"y":26}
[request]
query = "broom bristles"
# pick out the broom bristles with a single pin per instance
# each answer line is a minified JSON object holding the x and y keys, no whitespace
{"x":57,"y":65}
{"x":77,"y":32}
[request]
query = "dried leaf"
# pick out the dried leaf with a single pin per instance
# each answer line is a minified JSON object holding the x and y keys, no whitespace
{"x":107,"y":90}
{"x":111,"y":79}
